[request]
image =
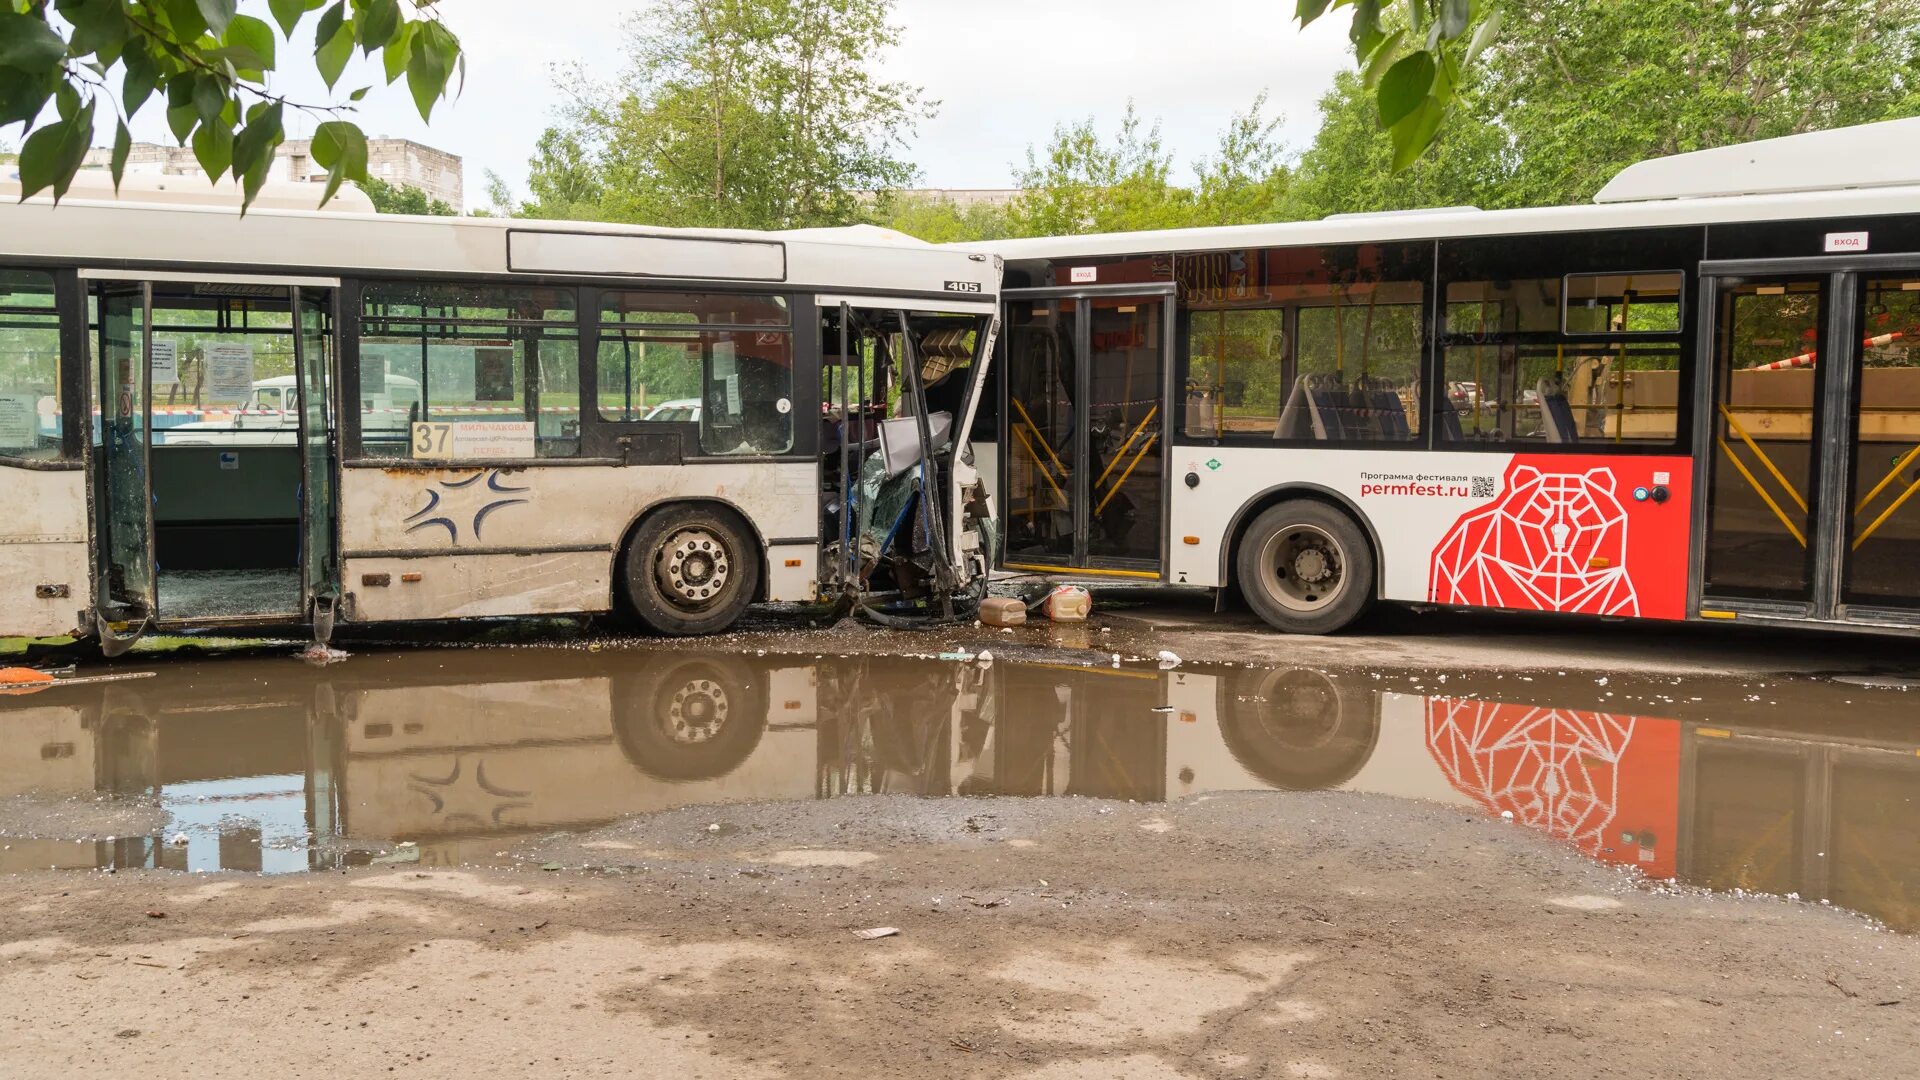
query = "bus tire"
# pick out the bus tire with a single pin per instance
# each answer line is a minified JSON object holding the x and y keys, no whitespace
{"x":690,"y":570}
{"x":689,"y":719}
{"x":1305,"y":567}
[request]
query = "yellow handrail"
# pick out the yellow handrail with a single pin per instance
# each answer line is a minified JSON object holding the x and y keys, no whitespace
{"x":1887,"y":479}
{"x":1762,"y":492}
{"x":1047,"y":476}
{"x":1764,"y":459}
{"x":1885,"y":514}
{"x":1125,"y":446}
{"x":1137,"y":459}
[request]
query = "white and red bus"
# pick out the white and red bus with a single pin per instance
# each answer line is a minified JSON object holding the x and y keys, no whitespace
{"x":1697,"y":398}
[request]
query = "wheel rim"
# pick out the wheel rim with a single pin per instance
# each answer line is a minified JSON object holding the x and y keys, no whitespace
{"x":697,"y":712}
{"x":693,"y":568}
{"x":1304,"y":568}
{"x":1300,"y":710}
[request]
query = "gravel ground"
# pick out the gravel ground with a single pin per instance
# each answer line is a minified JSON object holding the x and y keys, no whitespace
{"x":1227,"y":936}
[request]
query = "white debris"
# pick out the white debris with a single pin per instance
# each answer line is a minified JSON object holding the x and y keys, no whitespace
{"x":985,"y":658}
{"x":179,"y":839}
{"x":876,"y":932}
{"x":1168,"y":659}
{"x":1506,"y":815}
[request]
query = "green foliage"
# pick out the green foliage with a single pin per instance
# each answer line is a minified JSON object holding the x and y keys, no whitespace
{"x":737,"y":113}
{"x":209,"y":66}
{"x":1573,"y":91}
{"x":404,"y":199}
{"x":1085,"y":183}
{"x":1415,"y":56}
{"x":939,"y":219}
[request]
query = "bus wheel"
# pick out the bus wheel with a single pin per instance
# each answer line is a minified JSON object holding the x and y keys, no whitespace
{"x":693,"y":719}
{"x":1306,"y":568}
{"x":691,"y":570}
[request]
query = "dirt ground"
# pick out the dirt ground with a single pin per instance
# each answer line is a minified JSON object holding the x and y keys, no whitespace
{"x":1243,"y":935}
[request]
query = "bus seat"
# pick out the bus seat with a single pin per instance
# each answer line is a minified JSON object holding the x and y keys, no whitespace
{"x":1296,"y":416}
{"x":1389,"y":412}
{"x":1556,"y":415}
{"x":1449,"y":417}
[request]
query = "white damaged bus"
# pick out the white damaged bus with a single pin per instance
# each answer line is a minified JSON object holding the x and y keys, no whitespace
{"x":298,"y":418}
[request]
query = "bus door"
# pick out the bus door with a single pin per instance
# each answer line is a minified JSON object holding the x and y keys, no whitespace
{"x":1086,"y":392}
{"x":1812,"y":441}
{"x":212,"y":456}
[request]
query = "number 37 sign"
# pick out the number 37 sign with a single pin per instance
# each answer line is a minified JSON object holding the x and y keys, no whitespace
{"x":466,"y":440}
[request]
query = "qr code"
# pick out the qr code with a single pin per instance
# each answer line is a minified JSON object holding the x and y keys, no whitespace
{"x":1483,"y":487}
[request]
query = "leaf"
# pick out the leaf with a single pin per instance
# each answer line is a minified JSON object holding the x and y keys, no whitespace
{"x":52,"y":155}
{"x":1308,"y":10}
{"x":1484,"y":35}
{"x":330,"y":24}
{"x":379,"y":20}
{"x":142,"y":75}
{"x":1414,"y":133}
{"x":185,"y":19}
{"x":1404,"y":87}
{"x":1383,"y":56}
{"x":332,"y":56}
{"x":28,"y":43}
{"x":23,"y":94}
{"x":287,"y":13}
{"x":427,"y":71}
{"x":218,"y":14}
{"x":209,"y":96}
{"x":213,"y":148}
{"x":122,"y":147}
{"x":247,"y":32}
{"x":398,"y":51}
{"x":253,"y":152}
{"x":1365,"y":30}
{"x":359,"y":94}
{"x":182,"y":113}
{"x":340,"y":148}
{"x":1454,"y":17}
{"x":98,"y":25}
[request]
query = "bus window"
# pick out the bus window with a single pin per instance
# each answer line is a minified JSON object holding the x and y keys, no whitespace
{"x":1517,"y":368}
{"x":31,"y":424}
{"x":664,"y":359}
{"x":1318,"y":345}
{"x":468,"y":353}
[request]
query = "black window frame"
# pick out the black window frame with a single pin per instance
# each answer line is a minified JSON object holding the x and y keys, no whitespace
{"x":1566,"y":304}
{"x":70,"y":361}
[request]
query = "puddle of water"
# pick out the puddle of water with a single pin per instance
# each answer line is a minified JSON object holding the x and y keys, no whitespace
{"x":445,"y":757}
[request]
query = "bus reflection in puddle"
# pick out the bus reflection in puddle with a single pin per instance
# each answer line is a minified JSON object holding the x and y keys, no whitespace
{"x":447,"y":758}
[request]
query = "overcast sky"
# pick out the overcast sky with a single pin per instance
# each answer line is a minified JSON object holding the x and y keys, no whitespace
{"x":1005,"y":72}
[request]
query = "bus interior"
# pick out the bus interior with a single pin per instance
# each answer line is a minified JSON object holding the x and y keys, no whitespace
{"x":892,"y":382}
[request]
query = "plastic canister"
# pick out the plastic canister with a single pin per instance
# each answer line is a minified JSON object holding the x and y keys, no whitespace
{"x":1003,"y":611}
{"x":1069,"y":603}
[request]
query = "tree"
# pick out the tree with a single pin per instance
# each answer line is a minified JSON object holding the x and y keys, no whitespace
{"x":740,"y":113}
{"x":939,"y":219}
{"x":1084,"y":184}
{"x":1574,"y":91}
{"x":404,"y":199}
{"x":210,"y":66}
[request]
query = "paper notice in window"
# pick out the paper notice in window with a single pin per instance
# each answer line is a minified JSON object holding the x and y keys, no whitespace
{"x":165,"y":369}
{"x":18,"y":424}
{"x":229,"y":371}
{"x":471,"y":440}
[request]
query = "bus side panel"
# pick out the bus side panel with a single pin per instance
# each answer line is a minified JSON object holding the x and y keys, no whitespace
{"x":43,"y":546}
{"x":1537,"y":532}
{"x":527,"y":540}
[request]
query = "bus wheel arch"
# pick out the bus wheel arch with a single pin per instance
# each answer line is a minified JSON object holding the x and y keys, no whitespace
{"x":1331,"y":547}
{"x":689,"y":567}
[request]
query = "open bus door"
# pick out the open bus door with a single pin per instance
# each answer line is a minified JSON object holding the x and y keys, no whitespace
{"x":1812,"y":441}
{"x":1086,"y":460}
{"x":313,"y":364}
{"x":121,"y":460}
{"x":229,"y":517}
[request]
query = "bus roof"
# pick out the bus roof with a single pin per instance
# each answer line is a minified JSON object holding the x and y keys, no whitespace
{"x":273,"y":240}
{"x":1865,"y":171}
